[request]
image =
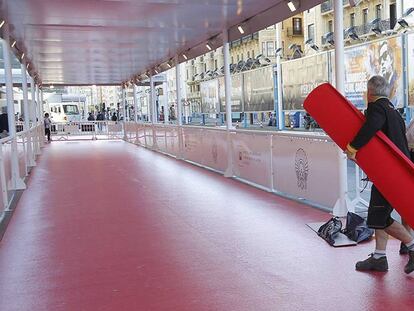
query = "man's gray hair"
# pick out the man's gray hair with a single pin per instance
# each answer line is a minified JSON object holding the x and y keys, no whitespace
{"x":378,"y":86}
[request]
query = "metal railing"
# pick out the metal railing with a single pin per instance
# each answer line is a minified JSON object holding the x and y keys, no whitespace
{"x":327,"y":6}
{"x":87,"y":130}
{"x":17,"y":157}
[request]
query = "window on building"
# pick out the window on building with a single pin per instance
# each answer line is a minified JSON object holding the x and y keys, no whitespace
{"x":264,"y":48}
{"x":238,"y":58}
{"x":330,"y":26}
{"x":232,"y":60}
{"x":248,"y":54}
{"x":352,"y":20}
{"x":297,"y":25}
{"x":282,"y":24}
{"x":378,"y":9}
{"x":187,"y":74}
{"x":365,"y":16}
{"x":215,"y":64}
{"x":393,"y":15}
{"x":311,"y":32}
{"x":205,"y":67}
{"x":252,"y":53}
{"x":270,"y":45}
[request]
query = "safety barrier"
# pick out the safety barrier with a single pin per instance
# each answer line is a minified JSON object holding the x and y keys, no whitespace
{"x":17,"y":156}
{"x":87,"y":130}
{"x":303,"y":166}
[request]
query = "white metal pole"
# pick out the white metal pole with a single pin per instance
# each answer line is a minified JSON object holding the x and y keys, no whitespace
{"x":280,"y":117}
{"x":179,"y":108}
{"x":165,"y":101}
{"x":33,"y":117}
{"x":123,"y":103}
{"x":26,"y":112}
{"x":37,"y":104}
{"x":16,"y":182}
{"x":343,"y":204}
{"x":153,"y":113}
{"x":178,"y":90}
{"x":227,"y":91}
{"x":135,"y":103}
{"x":227,"y":79}
{"x":41,"y":118}
{"x":124,"y":112}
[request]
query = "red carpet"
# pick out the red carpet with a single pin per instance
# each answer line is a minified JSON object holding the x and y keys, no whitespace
{"x":110,"y":226}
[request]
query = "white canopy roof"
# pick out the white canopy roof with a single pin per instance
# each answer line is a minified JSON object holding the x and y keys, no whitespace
{"x":75,"y":42}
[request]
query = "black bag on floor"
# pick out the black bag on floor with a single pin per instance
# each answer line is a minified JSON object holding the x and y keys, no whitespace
{"x":330,"y":229}
{"x":356,"y":228}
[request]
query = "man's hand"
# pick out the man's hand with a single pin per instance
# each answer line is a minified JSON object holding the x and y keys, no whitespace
{"x":351,"y":156}
{"x":351,"y":152}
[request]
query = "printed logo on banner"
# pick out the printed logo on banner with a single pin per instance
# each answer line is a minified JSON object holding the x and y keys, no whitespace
{"x":301,"y":168}
{"x":214,"y":152}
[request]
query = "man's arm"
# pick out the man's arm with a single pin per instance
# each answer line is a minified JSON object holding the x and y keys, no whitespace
{"x":374,"y":122}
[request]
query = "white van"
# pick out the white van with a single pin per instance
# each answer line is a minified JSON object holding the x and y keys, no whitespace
{"x":64,"y":112}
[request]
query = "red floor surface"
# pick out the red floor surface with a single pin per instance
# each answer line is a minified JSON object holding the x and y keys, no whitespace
{"x":110,"y":226}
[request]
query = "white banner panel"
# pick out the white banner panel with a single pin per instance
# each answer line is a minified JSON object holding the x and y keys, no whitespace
{"x":141,"y":134}
{"x":171,"y":134}
{"x":193,"y":144}
{"x":148,"y":137}
{"x":215,"y":149}
{"x":251,"y":158}
{"x":306,"y":168}
{"x":160,"y":136}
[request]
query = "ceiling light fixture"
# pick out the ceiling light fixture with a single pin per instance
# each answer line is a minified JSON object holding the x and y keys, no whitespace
{"x":240,"y":28}
{"x":156,"y":71}
{"x":293,"y":5}
{"x":2,"y":23}
{"x":14,"y":43}
{"x":208,"y":46}
{"x":22,"y":56}
{"x":185,"y":57}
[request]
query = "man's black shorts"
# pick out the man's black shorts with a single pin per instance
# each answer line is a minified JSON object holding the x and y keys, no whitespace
{"x":379,"y":211}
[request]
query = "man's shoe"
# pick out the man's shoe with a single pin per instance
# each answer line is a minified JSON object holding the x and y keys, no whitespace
{"x":403,"y":249}
{"x":409,"y":267}
{"x":372,"y":264}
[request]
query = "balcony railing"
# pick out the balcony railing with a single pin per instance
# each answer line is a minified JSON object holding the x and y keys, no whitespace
{"x":328,"y":5}
{"x":361,"y":30}
{"x":365,"y":29}
{"x":245,"y":39}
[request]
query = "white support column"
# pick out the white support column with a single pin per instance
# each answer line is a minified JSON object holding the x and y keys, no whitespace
{"x":153,"y":113}
{"x":30,"y":162}
{"x":37,"y":103}
{"x":135,"y":103}
{"x":124,"y":112}
{"x":343,"y":204}
{"x":178,"y":91}
{"x":165,"y":101}
{"x":33,"y":117}
{"x":179,"y":109}
{"x":16,"y":183}
{"x":41,"y":118}
{"x":280,"y":116}
{"x":127,"y":118}
{"x":227,"y":91}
